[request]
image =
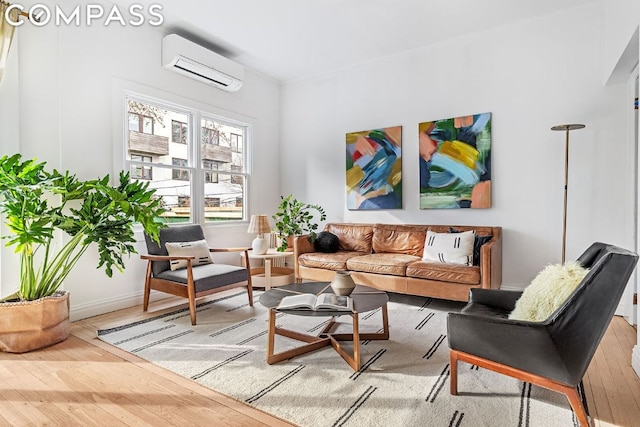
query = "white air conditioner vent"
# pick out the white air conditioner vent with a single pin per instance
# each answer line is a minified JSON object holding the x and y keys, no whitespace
{"x":192,"y":60}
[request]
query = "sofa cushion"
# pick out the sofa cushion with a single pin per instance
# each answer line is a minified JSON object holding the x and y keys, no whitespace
{"x":335,"y":261}
{"x":326,"y":242}
{"x":454,"y":273}
{"x":449,"y":248}
{"x":399,"y":239}
{"x":393,"y":264}
{"x":477,"y":244}
{"x":353,"y":237}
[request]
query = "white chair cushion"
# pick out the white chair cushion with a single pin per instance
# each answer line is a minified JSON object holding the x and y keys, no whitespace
{"x":548,"y":291}
{"x":198,"y":249}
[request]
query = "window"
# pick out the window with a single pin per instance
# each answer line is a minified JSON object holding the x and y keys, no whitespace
{"x":196,"y":161}
{"x":140,"y":123}
{"x":141,"y":171}
{"x":178,"y":132}
{"x":210,"y":176}
{"x":210,"y":136}
{"x":180,"y":174}
{"x":236,"y":143}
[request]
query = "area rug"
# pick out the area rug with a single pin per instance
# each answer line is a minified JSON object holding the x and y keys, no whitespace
{"x":402,"y":382}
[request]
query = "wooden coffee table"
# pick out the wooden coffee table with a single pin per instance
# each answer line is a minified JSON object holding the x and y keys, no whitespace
{"x":364,"y":299}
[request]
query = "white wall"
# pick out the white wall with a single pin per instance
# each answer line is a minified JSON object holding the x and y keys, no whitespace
{"x":9,"y":137}
{"x":622,"y":54}
{"x":530,"y":76}
{"x":66,"y":101}
{"x":622,"y":19}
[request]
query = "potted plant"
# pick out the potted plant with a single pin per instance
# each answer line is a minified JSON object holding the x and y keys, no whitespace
{"x":295,"y":218}
{"x":37,"y":205}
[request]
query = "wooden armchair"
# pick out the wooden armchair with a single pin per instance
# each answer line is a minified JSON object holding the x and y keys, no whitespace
{"x":193,"y":281}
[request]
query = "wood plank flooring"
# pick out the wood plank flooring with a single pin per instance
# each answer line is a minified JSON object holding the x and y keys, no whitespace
{"x":85,"y":382}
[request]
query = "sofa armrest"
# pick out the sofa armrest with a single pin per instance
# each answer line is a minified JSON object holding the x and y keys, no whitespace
{"x":301,"y":245}
{"x":491,"y":261}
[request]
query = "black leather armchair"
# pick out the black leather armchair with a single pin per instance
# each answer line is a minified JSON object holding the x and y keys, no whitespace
{"x":194,"y":281}
{"x":555,"y":353}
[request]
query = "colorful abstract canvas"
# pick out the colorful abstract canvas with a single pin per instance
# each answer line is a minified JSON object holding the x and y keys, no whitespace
{"x":455,"y":162}
{"x":374,"y":169}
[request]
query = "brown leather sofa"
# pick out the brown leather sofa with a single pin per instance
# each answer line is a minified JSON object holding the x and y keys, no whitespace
{"x":389,"y":257}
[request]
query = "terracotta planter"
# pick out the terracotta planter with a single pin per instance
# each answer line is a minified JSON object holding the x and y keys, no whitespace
{"x":29,"y":325}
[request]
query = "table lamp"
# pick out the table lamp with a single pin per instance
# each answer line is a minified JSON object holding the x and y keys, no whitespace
{"x":259,"y":224}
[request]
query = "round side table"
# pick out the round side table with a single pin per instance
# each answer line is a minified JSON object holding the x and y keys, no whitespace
{"x":269,"y":276}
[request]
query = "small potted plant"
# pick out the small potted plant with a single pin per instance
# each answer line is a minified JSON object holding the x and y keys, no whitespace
{"x":295,"y":218}
{"x":37,"y":205}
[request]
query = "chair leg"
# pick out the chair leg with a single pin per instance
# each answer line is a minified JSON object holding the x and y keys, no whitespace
{"x":453,"y":369}
{"x":147,"y":287}
{"x":191,"y":293}
{"x":247,"y":264}
{"x":250,"y":294}
{"x":578,"y":407}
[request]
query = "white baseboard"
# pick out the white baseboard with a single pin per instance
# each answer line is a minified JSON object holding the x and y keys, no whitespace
{"x":95,"y":308}
{"x":635,"y":359}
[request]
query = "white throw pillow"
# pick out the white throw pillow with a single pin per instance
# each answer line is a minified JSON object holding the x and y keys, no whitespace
{"x":548,"y":291}
{"x":198,"y":249}
{"x":449,"y":248}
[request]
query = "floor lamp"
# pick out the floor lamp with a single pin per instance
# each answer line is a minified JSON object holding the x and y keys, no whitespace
{"x":566,"y":128}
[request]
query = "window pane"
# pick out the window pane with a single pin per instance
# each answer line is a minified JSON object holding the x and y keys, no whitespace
{"x":147,"y":125}
{"x":227,"y":150}
{"x":223,"y":199}
{"x":134,"y":123}
{"x":180,"y":174}
{"x":141,"y":171}
{"x":157,"y":140}
{"x":210,"y":136}
{"x":178,"y":132}
{"x":236,"y":143}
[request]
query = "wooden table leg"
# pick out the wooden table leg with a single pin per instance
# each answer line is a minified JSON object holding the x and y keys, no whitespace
{"x":271,"y":335}
{"x":356,"y":342}
{"x":267,"y":273}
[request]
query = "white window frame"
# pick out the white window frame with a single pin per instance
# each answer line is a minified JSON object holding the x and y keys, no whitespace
{"x":122,"y":90}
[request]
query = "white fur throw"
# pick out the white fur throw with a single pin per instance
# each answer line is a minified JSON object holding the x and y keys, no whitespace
{"x":546,"y":293}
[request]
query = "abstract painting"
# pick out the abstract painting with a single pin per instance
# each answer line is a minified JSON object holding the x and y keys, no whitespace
{"x":455,"y":162}
{"x":374,"y":169}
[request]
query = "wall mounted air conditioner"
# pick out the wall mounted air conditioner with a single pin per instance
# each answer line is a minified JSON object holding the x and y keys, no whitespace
{"x":192,"y":60}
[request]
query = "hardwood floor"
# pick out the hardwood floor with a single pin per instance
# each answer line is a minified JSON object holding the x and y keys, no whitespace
{"x":83,"y":381}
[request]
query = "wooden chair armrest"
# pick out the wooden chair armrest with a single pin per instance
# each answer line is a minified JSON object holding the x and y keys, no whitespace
{"x":166,"y":257}
{"x":229,"y":249}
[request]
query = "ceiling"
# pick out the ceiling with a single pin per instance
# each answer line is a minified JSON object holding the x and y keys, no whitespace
{"x":294,"y":39}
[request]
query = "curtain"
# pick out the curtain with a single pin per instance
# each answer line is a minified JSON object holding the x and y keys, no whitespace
{"x":6,"y":34}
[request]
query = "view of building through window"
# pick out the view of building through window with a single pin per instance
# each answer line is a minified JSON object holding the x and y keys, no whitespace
{"x":196,"y":184}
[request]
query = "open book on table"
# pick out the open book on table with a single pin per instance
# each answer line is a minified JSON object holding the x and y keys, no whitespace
{"x":316,"y":303}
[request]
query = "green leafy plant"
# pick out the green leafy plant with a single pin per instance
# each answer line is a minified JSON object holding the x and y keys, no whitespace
{"x":36,"y":203}
{"x":295,"y":218}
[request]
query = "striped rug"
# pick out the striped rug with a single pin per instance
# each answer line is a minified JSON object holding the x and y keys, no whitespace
{"x":403,"y":381}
